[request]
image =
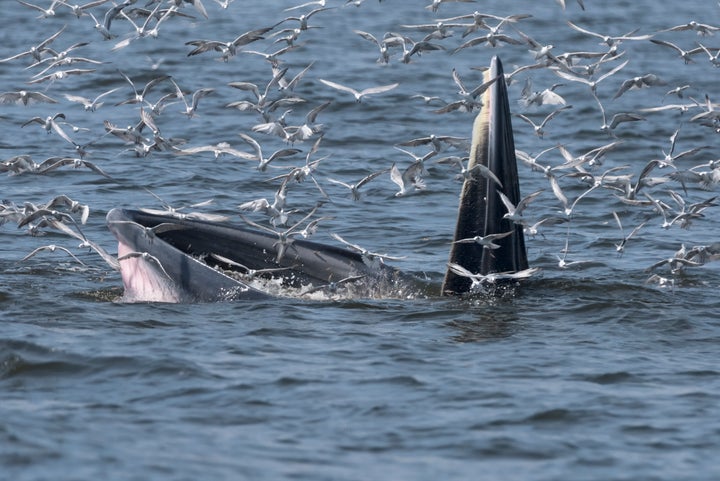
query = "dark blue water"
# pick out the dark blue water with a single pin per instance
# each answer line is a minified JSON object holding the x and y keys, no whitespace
{"x":583,"y":373}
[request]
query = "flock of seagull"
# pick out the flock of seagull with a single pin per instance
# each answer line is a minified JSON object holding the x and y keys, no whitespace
{"x":661,"y":191}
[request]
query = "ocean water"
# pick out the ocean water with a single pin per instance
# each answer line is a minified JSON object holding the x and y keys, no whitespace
{"x":594,"y":372}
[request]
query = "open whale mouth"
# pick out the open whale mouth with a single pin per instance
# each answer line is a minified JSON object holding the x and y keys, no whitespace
{"x":170,"y":257}
{"x":180,"y":258}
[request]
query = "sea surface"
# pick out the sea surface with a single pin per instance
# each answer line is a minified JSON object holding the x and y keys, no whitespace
{"x":595,"y":371}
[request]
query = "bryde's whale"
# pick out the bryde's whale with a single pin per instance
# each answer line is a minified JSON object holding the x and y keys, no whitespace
{"x":168,"y":257}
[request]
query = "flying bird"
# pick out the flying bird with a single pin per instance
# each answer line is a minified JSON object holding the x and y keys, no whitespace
{"x":359,"y":94}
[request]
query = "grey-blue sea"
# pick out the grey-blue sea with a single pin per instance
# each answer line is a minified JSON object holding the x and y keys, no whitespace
{"x":580,"y":374}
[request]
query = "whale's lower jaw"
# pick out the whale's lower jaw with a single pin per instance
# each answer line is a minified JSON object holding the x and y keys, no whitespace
{"x":173,"y":258}
{"x":164,"y":272}
{"x":167,"y":257}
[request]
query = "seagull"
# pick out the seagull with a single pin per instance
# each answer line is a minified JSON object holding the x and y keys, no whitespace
{"x":563,"y":263}
{"x":355,"y":188}
{"x":61,"y":74}
{"x":276,"y":212}
{"x":479,"y":90}
{"x":532,"y":230}
{"x":48,"y":123}
{"x":592,"y":83}
{"x":638,"y":82}
{"x":617,"y":119}
{"x":307,"y":4}
{"x":55,"y":162}
{"x":227,"y":49}
{"x":264,"y":162}
{"x":677,"y":91}
{"x":608,"y":40}
{"x":218,"y":150}
{"x":437,"y":142}
{"x":713,"y":59}
{"x":384,"y":57}
{"x":620,"y":247}
{"x":548,"y":96}
{"x":309,"y":128}
{"x":493,"y":277}
{"x":685,"y":55}
{"x":408,"y":180}
{"x":416,"y":48}
{"x":249,"y":273}
{"x":303,"y":19}
{"x":196,"y":96}
{"x":284,"y":238}
{"x":435,"y":5}
{"x":332,"y":286}
{"x":72,"y":205}
{"x":562,"y":4}
{"x":36,"y":50}
{"x":540,"y":129}
{"x":139,"y":97}
{"x":670,"y":157}
{"x":146,"y":256}
{"x":514,"y":213}
{"x":90,"y":105}
{"x":52,"y":248}
{"x":224,"y":4}
{"x":677,"y":262}
{"x":466,"y":173}
{"x":100,"y":27}
{"x":359,"y":94}
{"x":371,"y":259}
{"x":25,"y":97}
{"x":44,"y":12}
{"x":487,"y":242}
{"x":79,"y":10}
{"x":702,"y":29}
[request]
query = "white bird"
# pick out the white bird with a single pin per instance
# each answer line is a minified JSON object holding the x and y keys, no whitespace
{"x":90,"y":105}
{"x":528,"y":97}
{"x":493,"y":277}
{"x":591,"y":83}
{"x":191,"y":108}
{"x":638,"y":82}
{"x":36,"y":50}
{"x":371,"y":259}
{"x":146,"y":256}
{"x":609,"y":40}
{"x":307,"y":4}
{"x":263,"y":161}
{"x":620,"y":247}
{"x":466,"y":173}
{"x":25,"y":97}
{"x":686,"y":55}
{"x":44,"y":12}
{"x":702,"y":29}
{"x":514,"y":213}
{"x":359,"y":94}
{"x":355,"y":188}
{"x":488,"y":241}
{"x":409,"y":179}
{"x":52,"y":248}
{"x":539,"y":129}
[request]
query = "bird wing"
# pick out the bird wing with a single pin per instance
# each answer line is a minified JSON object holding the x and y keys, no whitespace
{"x":377,"y":90}
{"x":337,"y":86}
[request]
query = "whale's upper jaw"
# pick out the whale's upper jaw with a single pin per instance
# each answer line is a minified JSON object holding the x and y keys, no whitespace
{"x":481,"y":211}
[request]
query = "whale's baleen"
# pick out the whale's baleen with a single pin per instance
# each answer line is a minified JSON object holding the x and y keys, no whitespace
{"x":168,"y":257}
